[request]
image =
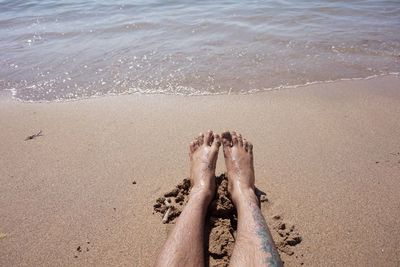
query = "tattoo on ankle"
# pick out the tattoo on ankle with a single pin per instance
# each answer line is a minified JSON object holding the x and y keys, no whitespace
{"x":267,"y":244}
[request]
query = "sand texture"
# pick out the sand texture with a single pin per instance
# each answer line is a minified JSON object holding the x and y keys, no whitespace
{"x":81,"y":191}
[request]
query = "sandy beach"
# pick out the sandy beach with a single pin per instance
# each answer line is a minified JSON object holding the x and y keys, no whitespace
{"x":327,"y":156}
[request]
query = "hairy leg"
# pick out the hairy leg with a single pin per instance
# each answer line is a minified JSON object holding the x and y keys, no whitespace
{"x":254,"y":244}
{"x":185,"y":244}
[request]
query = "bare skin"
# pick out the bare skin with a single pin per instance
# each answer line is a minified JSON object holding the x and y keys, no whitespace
{"x":254,"y":245}
{"x":185,"y":244}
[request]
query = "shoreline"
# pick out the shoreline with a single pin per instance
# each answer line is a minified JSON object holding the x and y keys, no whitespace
{"x":325,"y":154}
{"x":12,"y":92}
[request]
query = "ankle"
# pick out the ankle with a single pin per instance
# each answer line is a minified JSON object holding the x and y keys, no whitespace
{"x":242,"y":196}
{"x":201,"y":193}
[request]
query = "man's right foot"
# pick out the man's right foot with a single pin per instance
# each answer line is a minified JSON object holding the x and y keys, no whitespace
{"x":203,"y":159}
{"x":238,"y":153}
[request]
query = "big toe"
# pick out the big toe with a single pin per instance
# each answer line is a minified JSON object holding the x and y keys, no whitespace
{"x":226,"y":138}
{"x":216,"y":143}
{"x":209,"y":137}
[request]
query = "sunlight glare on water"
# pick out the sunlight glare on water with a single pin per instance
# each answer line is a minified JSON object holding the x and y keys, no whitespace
{"x":71,"y":49}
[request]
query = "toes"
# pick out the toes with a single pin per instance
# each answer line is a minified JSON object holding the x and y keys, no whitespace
{"x":200,"y":139}
{"x":250,"y":148}
{"x":216,"y":142}
{"x":196,"y":143}
{"x":209,"y":137}
{"x":234,"y":139}
{"x":192,"y":146}
{"x":245,"y":144}
{"x":226,"y":138}
{"x":240,"y":140}
{"x":226,"y":142}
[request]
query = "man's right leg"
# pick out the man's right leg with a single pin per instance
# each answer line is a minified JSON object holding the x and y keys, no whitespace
{"x":254,"y":244}
{"x":185,"y":244}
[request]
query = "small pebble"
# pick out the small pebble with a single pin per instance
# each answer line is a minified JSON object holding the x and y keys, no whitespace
{"x":134,"y":182}
{"x":293,"y":241}
{"x":263,"y":198}
{"x":276,"y":217}
{"x":79,"y":249}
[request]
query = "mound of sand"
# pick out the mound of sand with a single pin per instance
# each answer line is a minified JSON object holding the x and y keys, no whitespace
{"x":221,"y":223}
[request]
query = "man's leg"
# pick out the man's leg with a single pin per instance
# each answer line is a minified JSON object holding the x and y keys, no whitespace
{"x":185,"y":244}
{"x":254,"y":245}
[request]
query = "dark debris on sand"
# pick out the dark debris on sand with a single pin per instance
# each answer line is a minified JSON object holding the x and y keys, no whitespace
{"x":288,"y":236}
{"x":33,"y":136}
{"x":171,"y":204}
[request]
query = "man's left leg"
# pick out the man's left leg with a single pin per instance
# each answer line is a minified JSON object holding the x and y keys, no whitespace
{"x":185,"y":244}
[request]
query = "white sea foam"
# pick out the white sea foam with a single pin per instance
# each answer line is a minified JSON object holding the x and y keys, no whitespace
{"x":190,"y":92}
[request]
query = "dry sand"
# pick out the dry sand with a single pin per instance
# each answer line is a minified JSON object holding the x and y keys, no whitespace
{"x":327,"y":156}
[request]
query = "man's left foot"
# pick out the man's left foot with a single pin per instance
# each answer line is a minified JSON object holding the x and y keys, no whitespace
{"x":203,"y":159}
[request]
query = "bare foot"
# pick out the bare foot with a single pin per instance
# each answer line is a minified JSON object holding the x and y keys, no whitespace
{"x":203,"y":158}
{"x":238,"y":153}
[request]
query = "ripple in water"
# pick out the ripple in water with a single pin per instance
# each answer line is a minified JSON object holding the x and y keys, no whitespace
{"x":61,"y":50}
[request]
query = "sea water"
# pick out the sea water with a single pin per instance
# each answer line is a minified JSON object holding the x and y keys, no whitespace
{"x":71,"y":49}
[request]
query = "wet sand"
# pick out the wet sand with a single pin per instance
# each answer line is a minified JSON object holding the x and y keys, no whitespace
{"x":326,"y":155}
